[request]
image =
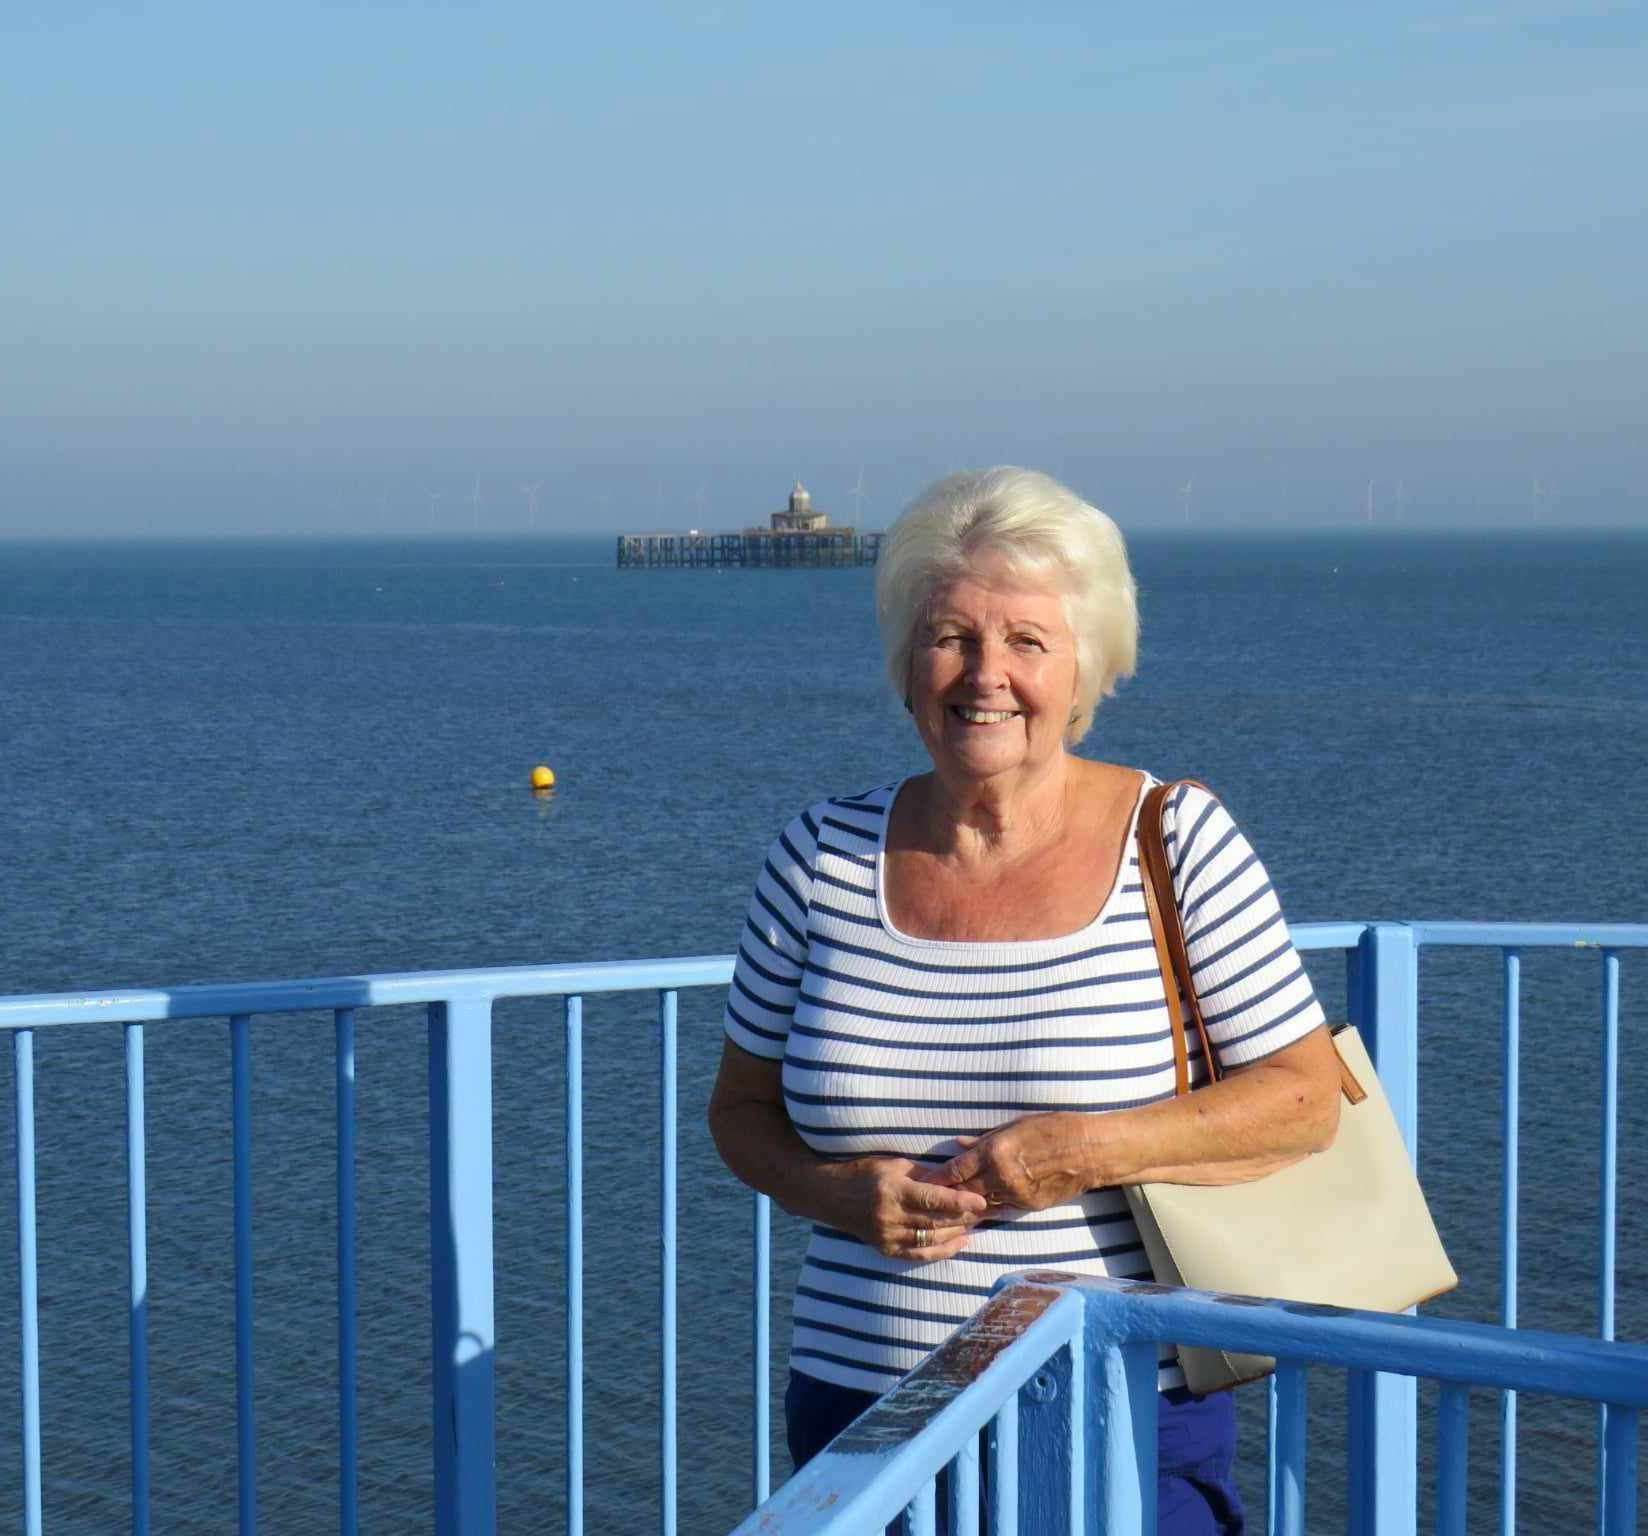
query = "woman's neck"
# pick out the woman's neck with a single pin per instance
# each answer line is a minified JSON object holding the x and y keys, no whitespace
{"x":996,"y":819}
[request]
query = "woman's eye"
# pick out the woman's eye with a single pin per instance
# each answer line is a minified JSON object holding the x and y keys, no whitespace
{"x":1027,"y":643}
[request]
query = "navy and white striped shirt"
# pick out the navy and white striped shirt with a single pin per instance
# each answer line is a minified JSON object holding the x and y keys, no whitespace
{"x":900,"y":1045}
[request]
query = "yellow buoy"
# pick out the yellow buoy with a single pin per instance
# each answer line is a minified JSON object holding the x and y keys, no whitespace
{"x":543,"y":778}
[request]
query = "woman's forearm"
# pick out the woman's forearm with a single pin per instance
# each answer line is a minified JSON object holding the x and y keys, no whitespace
{"x":1246,"y":1126}
{"x":1253,"y":1122}
{"x":759,"y":1144}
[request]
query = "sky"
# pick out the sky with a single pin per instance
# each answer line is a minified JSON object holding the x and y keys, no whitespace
{"x":376,"y":268}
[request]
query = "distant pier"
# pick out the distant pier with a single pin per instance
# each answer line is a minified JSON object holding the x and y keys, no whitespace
{"x":798,"y":536}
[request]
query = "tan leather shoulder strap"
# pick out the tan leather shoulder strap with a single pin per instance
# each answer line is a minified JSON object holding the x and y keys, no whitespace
{"x":1170,"y":987}
{"x":1167,"y":928}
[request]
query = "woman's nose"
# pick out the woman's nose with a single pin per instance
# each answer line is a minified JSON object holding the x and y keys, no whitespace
{"x":988,"y":667}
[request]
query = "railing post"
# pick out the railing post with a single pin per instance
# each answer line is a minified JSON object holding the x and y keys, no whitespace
{"x":574,"y":1025}
{"x":137,"y":1260}
{"x":667,"y":1031}
{"x":1002,"y":1442}
{"x":240,"y":1037}
{"x":1610,"y":1187}
{"x":1052,"y":1445}
{"x":348,"y":1287}
{"x":1383,"y":992}
{"x":1121,"y":1408}
{"x":28,"y":1280}
{"x":460,"y":1248}
{"x":762,"y":1327}
{"x":1510,"y":1119}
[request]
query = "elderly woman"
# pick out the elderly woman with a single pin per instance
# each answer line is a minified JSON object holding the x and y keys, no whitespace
{"x":947,"y":1044}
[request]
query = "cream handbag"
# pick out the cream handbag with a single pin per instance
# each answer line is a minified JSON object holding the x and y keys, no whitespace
{"x":1348,"y":1226}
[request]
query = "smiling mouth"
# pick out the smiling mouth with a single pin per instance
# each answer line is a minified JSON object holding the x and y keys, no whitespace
{"x":983,"y":716}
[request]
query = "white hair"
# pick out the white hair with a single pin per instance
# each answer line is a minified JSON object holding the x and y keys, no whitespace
{"x":1045,"y":534}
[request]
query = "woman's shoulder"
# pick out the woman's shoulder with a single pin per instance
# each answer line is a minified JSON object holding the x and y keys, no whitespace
{"x":1189,"y":802}
{"x":872,"y":802}
{"x":853,"y":819}
{"x":1182,"y":792}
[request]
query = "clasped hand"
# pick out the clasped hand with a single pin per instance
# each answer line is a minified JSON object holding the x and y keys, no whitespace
{"x":1030,"y":1163}
{"x":905,"y":1211}
{"x":902,"y":1211}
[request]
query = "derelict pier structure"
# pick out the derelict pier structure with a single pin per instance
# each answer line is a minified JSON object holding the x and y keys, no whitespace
{"x":797,"y":536}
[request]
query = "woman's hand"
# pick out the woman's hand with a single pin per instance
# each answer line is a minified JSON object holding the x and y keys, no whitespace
{"x":885,"y":1201}
{"x":898,"y":1209}
{"x":1030,"y":1163}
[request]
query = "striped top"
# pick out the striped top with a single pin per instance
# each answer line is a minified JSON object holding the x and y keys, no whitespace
{"x":900,"y":1045}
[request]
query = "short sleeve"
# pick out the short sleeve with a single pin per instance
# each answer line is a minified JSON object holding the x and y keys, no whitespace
{"x":772,"y":949}
{"x":1255,"y":994}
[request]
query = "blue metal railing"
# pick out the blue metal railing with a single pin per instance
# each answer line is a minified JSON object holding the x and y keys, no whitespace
{"x":1511,"y":939}
{"x":459,"y":1007}
{"x":1060,"y":1371}
{"x":1382,"y":973}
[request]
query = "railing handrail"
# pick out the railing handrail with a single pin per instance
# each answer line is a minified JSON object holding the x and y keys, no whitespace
{"x":887,"y":1459}
{"x":487,"y":983}
{"x":1449,"y":934}
{"x":482,"y":984}
{"x":1437,"y":1348}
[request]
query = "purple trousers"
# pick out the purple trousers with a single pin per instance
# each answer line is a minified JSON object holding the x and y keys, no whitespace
{"x":1195,"y":1451}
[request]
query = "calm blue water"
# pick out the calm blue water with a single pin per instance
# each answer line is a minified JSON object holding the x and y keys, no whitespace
{"x":242,"y":761}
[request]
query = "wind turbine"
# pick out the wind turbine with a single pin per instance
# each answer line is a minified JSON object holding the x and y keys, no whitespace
{"x":1370,"y":501}
{"x":531,"y":494}
{"x":474,"y":498}
{"x":857,"y":493}
{"x":433,"y":496}
{"x":1188,"y":487}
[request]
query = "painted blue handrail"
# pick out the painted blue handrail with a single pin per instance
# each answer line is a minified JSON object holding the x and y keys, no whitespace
{"x":397,"y":989}
{"x":1382,"y":973}
{"x":1079,"y":1352}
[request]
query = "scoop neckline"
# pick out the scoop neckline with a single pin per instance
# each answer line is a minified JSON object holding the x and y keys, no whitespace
{"x":899,"y":936}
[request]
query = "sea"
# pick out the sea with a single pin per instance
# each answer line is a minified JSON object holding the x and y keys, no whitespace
{"x":245,"y":760}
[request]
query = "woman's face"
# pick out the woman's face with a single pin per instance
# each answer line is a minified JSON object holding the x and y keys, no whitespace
{"x":993,"y":674}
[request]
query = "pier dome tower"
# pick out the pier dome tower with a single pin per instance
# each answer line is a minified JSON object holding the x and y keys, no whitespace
{"x":799,"y":517}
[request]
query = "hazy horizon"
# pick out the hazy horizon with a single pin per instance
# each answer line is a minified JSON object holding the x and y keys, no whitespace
{"x":1165,"y":528}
